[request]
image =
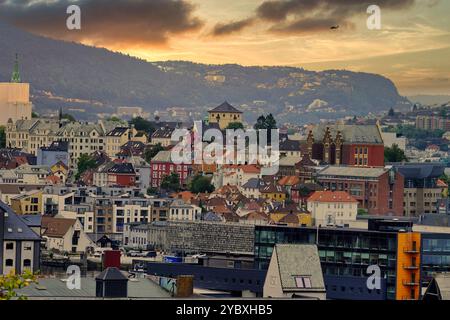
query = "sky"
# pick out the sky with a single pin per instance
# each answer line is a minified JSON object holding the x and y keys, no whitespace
{"x":412,"y":47}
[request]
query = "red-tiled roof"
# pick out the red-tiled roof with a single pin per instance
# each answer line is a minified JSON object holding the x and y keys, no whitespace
{"x":331,"y":196}
{"x":247,"y":168}
{"x":288,"y":181}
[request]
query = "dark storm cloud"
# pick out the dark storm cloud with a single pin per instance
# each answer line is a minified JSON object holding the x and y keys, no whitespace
{"x":303,"y":16}
{"x":222,"y":29}
{"x":105,"y":22}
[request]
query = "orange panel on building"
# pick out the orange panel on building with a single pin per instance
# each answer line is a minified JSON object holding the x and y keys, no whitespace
{"x":408,"y":266}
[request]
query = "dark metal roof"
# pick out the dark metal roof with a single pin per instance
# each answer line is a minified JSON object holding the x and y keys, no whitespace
{"x":124,"y":168}
{"x":421,"y":170}
{"x":225,"y":107}
{"x":15,"y":228}
{"x":111,"y":274}
{"x":57,"y":146}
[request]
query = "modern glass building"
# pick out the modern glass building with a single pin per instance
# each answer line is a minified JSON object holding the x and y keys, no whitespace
{"x":435,"y":255}
{"x":346,"y":254}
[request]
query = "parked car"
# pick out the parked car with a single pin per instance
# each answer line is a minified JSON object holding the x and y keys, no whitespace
{"x":151,"y":254}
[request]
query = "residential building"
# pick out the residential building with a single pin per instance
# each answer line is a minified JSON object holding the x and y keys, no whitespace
{"x":121,"y":174}
{"x":163,"y":136}
{"x":422,"y":192}
{"x":83,"y":138}
{"x":224,"y":114}
{"x":19,"y":244}
{"x":295,"y":272}
{"x":161,"y":166}
{"x":392,"y":138}
{"x":32,"y":134}
{"x":65,"y":235}
{"x":432,"y":122}
{"x":32,"y":174}
{"x":179,"y":210}
{"x":378,"y":190}
{"x":116,"y":138}
{"x":28,"y":203}
{"x":236,"y":174}
{"x":130,"y":210}
{"x":332,"y":208}
{"x":58,"y":151}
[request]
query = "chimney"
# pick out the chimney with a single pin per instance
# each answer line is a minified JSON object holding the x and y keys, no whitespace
{"x":185,"y":286}
{"x":111,"y":258}
{"x":111,"y":283}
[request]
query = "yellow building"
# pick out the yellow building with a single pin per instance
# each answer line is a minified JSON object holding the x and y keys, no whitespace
{"x":224,"y":115}
{"x":27,"y":203}
{"x":60,"y":170}
{"x":117,"y":138}
{"x":292,"y":219}
{"x":273,"y":192}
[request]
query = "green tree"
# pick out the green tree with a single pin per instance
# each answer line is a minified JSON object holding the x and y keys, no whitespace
{"x":34,"y":115}
{"x":235,"y":125}
{"x":152,"y":191}
{"x":270,"y":122}
{"x":267,"y":122}
{"x":2,"y":137}
{"x":260,"y":123}
{"x":11,"y":282}
{"x":201,"y":184}
{"x":394,"y":154}
{"x":141,"y":124}
{"x":171,"y":182}
{"x":69,"y":117}
{"x":85,"y":162}
{"x":151,"y":152}
{"x":362,"y":212}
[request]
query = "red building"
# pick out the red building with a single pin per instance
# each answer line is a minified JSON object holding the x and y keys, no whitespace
{"x":378,"y":190}
{"x":122,"y":174}
{"x":162,"y":165}
{"x":353,"y":145}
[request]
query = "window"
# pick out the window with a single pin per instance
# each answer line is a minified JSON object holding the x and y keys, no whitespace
{"x":303,"y":282}
{"x":27,"y":263}
{"x":9,"y":262}
{"x":10,"y":246}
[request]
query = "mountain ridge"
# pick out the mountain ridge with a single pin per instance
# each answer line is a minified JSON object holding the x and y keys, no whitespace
{"x":97,"y":80}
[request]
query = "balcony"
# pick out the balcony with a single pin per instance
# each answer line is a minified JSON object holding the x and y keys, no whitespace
{"x":410,"y":267}
{"x":410,"y":250}
{"x":410,"y":283}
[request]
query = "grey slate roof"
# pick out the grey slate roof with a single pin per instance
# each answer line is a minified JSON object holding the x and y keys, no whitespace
{"x":57,"y":289}
{"x":299,"y":260}
{"x":15,"y":227}
{"x":32,"y":220}
{"x":122,"y":168}
{"x":289,"y":145}
{"x":420,"y":170}
{"x":226,"y":108}
{"x":162,"y":156}
{"x":350,"y":133}
{"x":352,"y":171}
{"x":252,"y":183}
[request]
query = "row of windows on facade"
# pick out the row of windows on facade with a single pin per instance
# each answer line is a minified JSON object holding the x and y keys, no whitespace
{"x":10,"y":263}
{"x":10,"y":246}
{"x":171,"y":168}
